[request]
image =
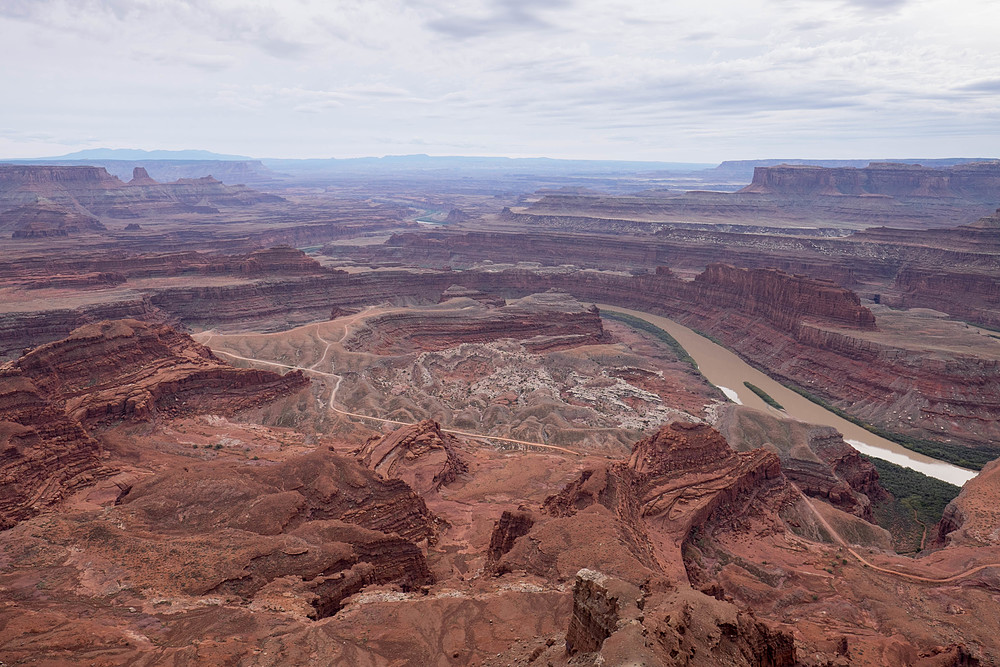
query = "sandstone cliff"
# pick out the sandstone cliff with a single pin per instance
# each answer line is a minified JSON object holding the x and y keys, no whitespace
{"x":816,"y":458}
{"x":44,"y":454}
{"x":978,"y":181}
{"x":630,"y":520}
{"x":100,"y":193}
{"x":145,"y":369}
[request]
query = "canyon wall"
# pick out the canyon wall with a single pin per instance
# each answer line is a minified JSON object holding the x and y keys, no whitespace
{"x":100,"y":193}
{"x":977,"y":181}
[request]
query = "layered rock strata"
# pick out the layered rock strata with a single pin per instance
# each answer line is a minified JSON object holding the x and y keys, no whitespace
{"x":53,"y":397}
{"x":42,"y":219}
{"x":816,"y":458}
{"x":100,"y":193}
{"x":542,"y":321}
{"x":145,"y":369}
{"x":419,"y":454}
{"x":977,"y":181}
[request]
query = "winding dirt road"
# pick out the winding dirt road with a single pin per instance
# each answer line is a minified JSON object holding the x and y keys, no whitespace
{"x":207,"y":336}
{"x":905,"y":575}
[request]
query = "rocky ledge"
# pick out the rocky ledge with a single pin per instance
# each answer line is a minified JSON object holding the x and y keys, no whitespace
{"x":542,"y":322}
{"x":54,"y":399}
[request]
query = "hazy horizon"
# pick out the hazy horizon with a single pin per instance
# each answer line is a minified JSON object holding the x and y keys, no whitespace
{"x":564,"y":79}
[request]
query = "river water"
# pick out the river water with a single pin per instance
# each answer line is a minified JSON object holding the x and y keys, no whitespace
{"x":728,"y":372}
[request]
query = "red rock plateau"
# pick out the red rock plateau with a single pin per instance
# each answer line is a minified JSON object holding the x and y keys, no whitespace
{"x":161,"y":506}
{"x":790,"y":196}
{"x":977,"y":181}
{"x":100,"y":193}
{"x":807,"y":331}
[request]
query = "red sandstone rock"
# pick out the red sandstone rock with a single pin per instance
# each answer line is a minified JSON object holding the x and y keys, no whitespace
{"x":784,"y":299}
{"x":44,"y":454}
{"x":43,"y":218}
{"x":52,"y":395}
{"x":815,"y":458}
{"x":145,"y":368}
{"x":419,"y":454}
{"x":544,"y":322}
{"x":141,"y":177}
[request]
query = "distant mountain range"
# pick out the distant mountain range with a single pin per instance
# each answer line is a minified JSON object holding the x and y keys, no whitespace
{"x":139,"y":154}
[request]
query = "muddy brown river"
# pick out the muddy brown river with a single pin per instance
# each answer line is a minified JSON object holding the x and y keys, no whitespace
{"x":728,"y":372}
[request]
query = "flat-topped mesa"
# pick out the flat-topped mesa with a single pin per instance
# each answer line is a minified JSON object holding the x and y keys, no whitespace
{"x":783,"y":298}
{"x":420,"y":454}
{"x":94,"y":189}
{"x":975,"y":182}
{"x":281,"y":259}
{"x":32,"y":176}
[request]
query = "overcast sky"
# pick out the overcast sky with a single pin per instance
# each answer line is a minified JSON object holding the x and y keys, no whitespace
{"x":673,"y":80}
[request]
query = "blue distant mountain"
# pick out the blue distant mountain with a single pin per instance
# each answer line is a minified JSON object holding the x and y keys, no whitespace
{"x":138,"y":154}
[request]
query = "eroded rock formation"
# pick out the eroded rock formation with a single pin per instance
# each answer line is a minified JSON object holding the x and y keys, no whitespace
{"x":54,"y":396}
{"x":420,"y":454}
{"x":43,"y":218}
{"x":100,"y":193}
{"x":542,"y":321}
{"x":145,"y":369}
{"x":816,"y":458}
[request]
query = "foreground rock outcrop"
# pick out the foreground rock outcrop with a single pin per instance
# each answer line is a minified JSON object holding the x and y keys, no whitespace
{"x":629,"y":520}
{"x":816,"y":458}
{"x":620,"y":623}
{"x":54,"y":398}
{"x":420,"y":454}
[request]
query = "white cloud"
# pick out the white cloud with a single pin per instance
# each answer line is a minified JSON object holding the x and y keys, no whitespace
{"x":574,"y":78}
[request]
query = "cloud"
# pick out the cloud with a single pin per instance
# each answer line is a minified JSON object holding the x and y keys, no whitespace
{"x":502,"y":16}
{"x":878,"y":5}
{"x":530,"y":77}
{"x":983,"y":86}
